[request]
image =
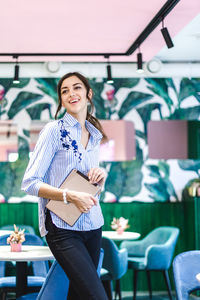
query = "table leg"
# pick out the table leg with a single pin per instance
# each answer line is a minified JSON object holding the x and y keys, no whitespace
{"x":21,"y":278}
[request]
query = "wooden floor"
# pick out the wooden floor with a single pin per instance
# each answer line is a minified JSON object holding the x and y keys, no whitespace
{"x":145,"y":296}
{"x":140,"y":296}
{"x":156,"y":296}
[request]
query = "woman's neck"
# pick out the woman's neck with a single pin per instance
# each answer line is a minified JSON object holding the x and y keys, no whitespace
{"x":81,"y":119}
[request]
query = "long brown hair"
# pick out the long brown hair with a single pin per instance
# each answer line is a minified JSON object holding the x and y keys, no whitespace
{"x":94,"y":121}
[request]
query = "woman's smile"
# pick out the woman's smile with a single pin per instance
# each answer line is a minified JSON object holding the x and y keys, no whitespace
{"x":74,"y":100}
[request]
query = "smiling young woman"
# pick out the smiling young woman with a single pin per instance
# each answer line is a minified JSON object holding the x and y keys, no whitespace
{"x":71,"y":143}
{"x":74,"y":98}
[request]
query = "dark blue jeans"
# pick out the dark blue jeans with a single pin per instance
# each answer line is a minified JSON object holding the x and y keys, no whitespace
{"x":78,"y":254}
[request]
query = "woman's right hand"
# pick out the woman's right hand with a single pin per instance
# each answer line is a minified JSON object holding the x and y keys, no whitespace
{"x":83,"y":201}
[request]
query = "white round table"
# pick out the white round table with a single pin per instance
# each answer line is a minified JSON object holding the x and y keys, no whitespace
{"x":126,"y":235}
{"x":198,"y":277}
{"x":28,"y":253}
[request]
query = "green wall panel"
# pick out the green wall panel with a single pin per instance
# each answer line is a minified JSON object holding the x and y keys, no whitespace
{"x":143,"y":217}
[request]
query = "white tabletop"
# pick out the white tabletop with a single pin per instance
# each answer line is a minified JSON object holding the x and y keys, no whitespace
{"x":28,"y":253}
{"x":5,"y":232}
{"x":198,"y":277}
{"x":126,"y":235}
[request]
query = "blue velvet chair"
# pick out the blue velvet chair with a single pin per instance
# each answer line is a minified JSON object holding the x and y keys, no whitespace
{"x":186,"y":266}
{"x":115,"y":265}
{"x":56,"y":284}
{"x":39,"y":269}
{"x":152,"y":253}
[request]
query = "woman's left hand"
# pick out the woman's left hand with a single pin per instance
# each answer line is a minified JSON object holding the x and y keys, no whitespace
{"x":97,"y":175}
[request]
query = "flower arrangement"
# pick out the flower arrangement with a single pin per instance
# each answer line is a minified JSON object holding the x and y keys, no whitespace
{"x":120,"y":224}
{"x":17,"y":236}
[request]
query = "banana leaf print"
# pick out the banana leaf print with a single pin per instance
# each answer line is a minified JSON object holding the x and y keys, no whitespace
{"x":7,"y":178}
{"x":139,"y":152}
{"x":11,"y":174}
{"x":164,"y":168}
{"x":196,"y":82}
{"x":36,"y":111}
{"x":158,"y":191}
{"x":8,"y":83}
{"x":48,"y":86}
{"x":124,"y":179}
{"x":145,"y":114}
{"x":190,"y":165}
{"x":188,"y":113}
{"x":163,"y":189}
{"x":125,"y":83}
{"x":97,"y":88}
{"x":189,"y":87}
{"x":23,"y":100}
{"x":140,"y":134}
{"x":160,"y":86}
{"x":26,"y":132}
{"x":134,"y":99}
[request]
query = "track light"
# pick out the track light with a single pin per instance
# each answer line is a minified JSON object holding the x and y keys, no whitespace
{"x":16,"y":74}
{"x":166,"y":36}
{"x":109,"y":74}
{"x":139,"y":63}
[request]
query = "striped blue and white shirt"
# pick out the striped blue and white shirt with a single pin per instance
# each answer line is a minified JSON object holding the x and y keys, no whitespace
{"x":58,"y":151}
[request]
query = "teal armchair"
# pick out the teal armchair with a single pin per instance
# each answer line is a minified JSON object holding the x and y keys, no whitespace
{"x":186,"y":266}
{"x":115,"y":265}
{"x":152,"y":253}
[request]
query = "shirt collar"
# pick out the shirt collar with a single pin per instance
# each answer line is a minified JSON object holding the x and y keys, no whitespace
{"x":71,"y":121}
{"x":94,"y":132}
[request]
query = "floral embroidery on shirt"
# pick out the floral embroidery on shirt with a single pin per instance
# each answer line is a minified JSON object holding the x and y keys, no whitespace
{"x":68,"y":142}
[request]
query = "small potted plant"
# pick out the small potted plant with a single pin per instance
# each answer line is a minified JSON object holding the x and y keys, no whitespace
{"x":120,"y":224}
{"x":16,"y":239}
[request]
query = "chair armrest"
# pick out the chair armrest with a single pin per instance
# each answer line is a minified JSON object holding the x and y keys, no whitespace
{"x":134,"y":248}
{"x":159,"y":257}
{"x":121,"y":266}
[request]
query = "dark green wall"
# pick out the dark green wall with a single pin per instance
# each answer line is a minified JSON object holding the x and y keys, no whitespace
{"x":143,"y":217}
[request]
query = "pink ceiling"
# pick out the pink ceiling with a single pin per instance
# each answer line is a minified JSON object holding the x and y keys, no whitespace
{"x":85,"y":26}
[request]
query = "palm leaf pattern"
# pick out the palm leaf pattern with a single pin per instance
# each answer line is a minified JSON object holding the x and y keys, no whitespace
{"x":136,"y":99}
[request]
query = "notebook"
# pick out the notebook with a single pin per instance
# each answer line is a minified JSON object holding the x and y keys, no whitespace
{"x":78,"y":182}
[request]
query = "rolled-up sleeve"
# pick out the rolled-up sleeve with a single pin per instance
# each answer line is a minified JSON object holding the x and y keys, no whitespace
{"x":41,"y":159}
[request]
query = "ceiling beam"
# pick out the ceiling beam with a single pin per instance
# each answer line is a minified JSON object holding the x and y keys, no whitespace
{"x":163,"y":12}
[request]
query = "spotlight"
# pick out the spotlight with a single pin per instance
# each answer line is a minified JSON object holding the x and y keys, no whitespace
{"x":109,"y":75}
{"x":166,"y":36}
{"x":139,"y":63}
{"x":16,"y":75}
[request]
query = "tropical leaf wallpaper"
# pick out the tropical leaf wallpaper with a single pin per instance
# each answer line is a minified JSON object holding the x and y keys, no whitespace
{"x":135,"y":99}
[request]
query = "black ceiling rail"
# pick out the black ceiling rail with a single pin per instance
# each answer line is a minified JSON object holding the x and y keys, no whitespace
{"x":59,"y":54}
{"x":163,"y":12}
